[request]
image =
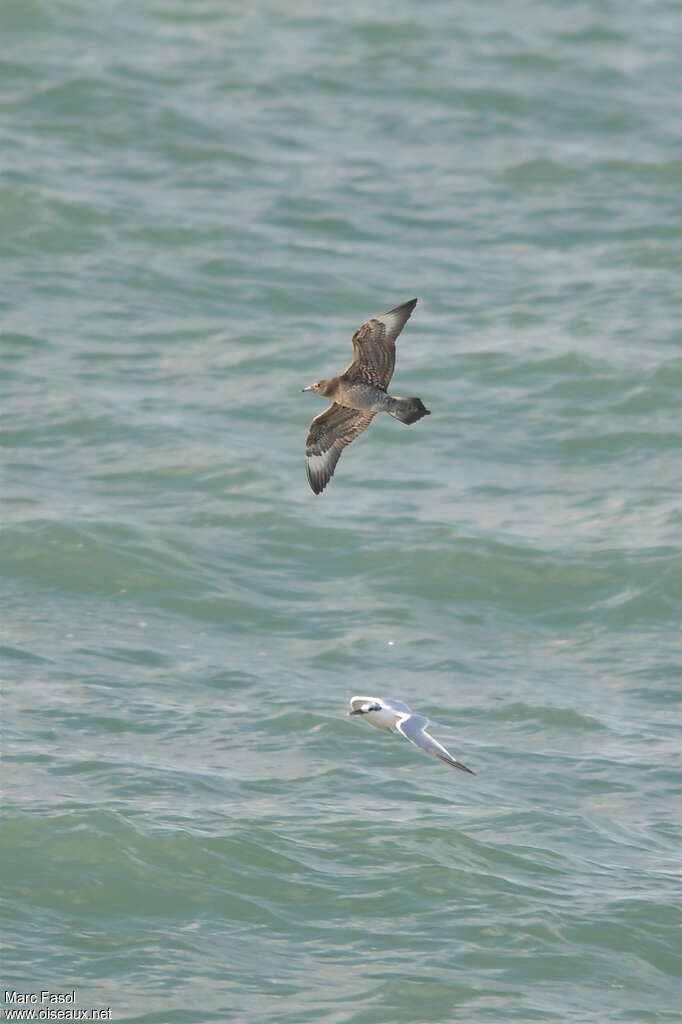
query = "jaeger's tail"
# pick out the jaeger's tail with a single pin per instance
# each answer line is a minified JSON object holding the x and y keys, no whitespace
{"x":407,"y":410}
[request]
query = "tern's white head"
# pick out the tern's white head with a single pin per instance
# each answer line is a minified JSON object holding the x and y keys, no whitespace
{"x":363,"y":705}
{"x":375,"y":711}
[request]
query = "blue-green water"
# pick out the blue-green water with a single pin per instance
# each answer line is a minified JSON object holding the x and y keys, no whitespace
{"x":201,"y":201}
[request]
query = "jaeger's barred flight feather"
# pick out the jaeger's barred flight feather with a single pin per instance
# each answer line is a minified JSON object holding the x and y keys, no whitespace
{"x":358,"y":394}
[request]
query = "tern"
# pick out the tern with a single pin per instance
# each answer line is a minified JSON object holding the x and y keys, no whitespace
{"x":394,"y":716}
{"x":358,"y":394}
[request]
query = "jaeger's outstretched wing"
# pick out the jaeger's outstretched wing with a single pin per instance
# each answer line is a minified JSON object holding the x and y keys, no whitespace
{"x":374,"y":347}
{"x":329,"y":434}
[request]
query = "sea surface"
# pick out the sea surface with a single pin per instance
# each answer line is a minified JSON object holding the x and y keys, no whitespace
{"x":201,"y":201}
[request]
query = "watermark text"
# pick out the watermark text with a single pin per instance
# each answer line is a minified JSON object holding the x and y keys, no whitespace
{"x":48,"y":1005}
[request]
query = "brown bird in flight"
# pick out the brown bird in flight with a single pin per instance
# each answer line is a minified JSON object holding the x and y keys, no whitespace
{"x":358,"y":394}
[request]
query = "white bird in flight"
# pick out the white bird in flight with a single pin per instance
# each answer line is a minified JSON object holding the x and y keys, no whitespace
{"x":394,"y":716}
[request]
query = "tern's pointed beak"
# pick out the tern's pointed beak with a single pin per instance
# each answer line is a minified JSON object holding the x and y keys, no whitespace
{"x":358,"y":711}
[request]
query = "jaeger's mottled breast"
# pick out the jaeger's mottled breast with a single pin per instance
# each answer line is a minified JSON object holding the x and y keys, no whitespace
{"x":360,"y":396}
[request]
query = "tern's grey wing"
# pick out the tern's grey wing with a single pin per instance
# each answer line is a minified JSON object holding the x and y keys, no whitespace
{"x":397,"y":706}
{"x":329,"y":434}
{"x":413,"y":728}
{"x":374,"y":347}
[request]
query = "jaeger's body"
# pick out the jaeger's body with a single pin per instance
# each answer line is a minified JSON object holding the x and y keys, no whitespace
{"x":366,"y":397}
{"x":358,"y":395}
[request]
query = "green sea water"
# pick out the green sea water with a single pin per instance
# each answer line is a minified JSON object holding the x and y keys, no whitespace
{"x":200,"y":202}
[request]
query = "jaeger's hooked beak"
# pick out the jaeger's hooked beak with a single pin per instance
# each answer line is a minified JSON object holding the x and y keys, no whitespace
{"x":309,"y":388}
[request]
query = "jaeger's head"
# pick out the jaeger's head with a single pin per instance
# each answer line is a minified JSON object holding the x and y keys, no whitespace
{"x":321,"y":387}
